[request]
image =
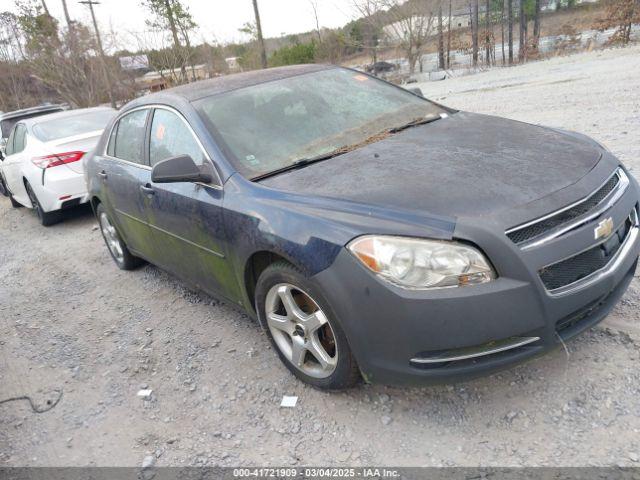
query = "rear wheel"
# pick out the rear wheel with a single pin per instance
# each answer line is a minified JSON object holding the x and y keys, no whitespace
{"x":46,"y":218}
{"x":3,"y":187}
{"x":14,"y":203}
{"x":309,"y":342}
{"x":117,"y":248}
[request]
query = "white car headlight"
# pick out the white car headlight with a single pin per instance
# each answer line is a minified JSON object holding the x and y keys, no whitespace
{"x":422,"y":264}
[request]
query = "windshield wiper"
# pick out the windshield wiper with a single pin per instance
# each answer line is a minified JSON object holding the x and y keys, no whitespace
{"x":415,"y":123}
{"x":302,"y":162}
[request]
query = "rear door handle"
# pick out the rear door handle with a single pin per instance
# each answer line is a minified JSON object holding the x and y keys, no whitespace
{"x":148,"y":189}
{"x":102,"y":175}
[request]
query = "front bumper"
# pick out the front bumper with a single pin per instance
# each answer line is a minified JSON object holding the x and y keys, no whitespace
{"x":396,"y":334}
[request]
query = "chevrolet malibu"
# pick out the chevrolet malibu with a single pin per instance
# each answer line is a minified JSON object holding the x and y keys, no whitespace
{"x":372,"y":233}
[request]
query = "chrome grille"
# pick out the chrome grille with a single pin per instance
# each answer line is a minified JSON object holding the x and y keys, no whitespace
{"x":557,"y":223}
{"x":580,"y":266}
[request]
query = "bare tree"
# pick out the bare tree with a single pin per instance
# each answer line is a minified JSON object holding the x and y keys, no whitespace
{"x":370,"y":11}
{"x":502,"y":30}
{"x":474,"y":32}
{"x":488,"y":33}
{"x":163,"y":57}
{"x":11,"y":54}
{"x":65,"y":61}
{"x":522,"y":50}
{"x":263,"y":52}
{"x":440,"y":39}
{"x":620,"y":15}
{"x":174,"y":17}
{"x":510,"y":29}
{"x":536,"y":26}
{"x":314,"y":7}
{"x":449,"y":38}
{"x":412,"y":24}
{"x":168,"y":11}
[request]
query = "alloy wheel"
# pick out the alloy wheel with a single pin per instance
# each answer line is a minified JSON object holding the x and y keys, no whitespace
{"x":301,"y":330}
{"x":111,"y":238}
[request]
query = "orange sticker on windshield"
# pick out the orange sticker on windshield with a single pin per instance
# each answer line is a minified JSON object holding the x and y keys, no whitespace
{"x":160,"y":132}
{"x":361,"y":78}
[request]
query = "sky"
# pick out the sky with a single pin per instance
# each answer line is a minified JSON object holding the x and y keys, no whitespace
{"x":217,"y":19}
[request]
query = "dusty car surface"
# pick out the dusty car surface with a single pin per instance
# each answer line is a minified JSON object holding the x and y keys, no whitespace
{"x":372,"y":232}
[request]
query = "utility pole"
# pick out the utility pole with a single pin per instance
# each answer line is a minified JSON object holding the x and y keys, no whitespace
{"x":91,"y":3}
{"x":263,"y":52}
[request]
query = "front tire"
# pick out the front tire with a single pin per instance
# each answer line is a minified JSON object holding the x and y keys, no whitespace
{"x":46,"y":218}
{"x":116,"y":246}
{"x":299,"y":324}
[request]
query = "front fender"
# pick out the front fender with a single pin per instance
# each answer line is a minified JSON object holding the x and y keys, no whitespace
{"x":309,"y":231}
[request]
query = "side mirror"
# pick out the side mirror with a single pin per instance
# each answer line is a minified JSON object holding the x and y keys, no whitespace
{"x":181,"y":169}
{"x":417,"y":91}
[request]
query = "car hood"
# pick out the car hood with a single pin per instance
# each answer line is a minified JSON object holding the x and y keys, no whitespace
{"x":463,"y":165}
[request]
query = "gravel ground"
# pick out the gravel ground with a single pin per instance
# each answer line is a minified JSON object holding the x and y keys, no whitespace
{"x":70,"y":321}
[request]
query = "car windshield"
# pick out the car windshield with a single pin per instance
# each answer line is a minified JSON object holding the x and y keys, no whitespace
{"x":270,"y":126}
{"x":72,"y":125}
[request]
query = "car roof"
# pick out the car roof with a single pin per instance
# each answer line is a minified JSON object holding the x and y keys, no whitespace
{"x":30,"y":111}
{"x":30,"y":122}
{"x":213,"y":86}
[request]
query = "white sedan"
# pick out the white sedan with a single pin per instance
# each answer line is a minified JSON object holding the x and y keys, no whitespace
{"x":43,"y":166}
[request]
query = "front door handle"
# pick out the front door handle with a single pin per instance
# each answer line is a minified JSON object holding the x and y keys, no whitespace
{"x":102,"y":175}
{"x":148,"y":189}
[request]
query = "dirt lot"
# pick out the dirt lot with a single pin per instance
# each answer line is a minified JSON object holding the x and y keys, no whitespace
{"x":70,"y":320}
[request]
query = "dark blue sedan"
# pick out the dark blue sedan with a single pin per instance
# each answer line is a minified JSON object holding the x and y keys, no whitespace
{"x":372,"y":233}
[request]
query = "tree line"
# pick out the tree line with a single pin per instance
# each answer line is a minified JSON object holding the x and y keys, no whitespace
{"x":42,"y":58}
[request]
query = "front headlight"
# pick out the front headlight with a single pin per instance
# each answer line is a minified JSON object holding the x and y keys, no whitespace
{"x":422,"y":264}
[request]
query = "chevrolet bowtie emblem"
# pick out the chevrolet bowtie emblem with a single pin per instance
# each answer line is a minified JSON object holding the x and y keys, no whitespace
{"x":604,"y":228}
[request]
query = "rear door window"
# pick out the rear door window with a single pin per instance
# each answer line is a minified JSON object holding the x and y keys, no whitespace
{"x":127,"y":137}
